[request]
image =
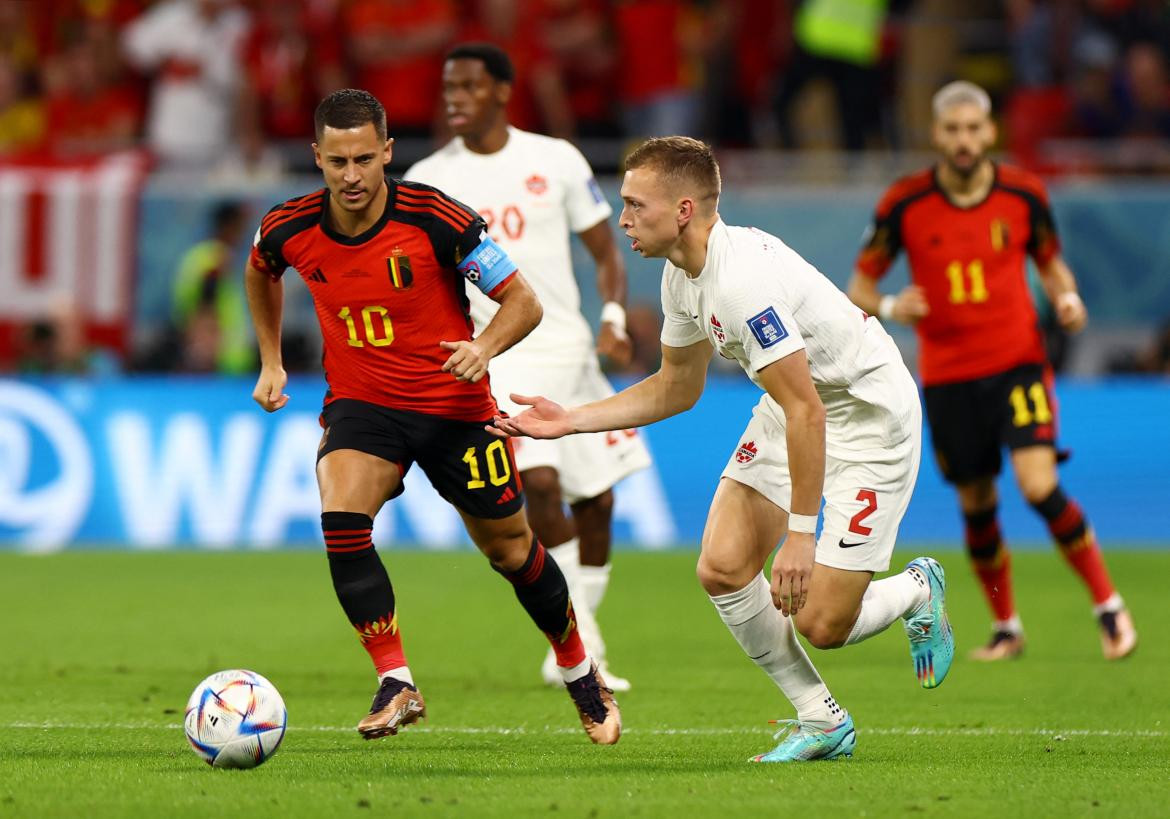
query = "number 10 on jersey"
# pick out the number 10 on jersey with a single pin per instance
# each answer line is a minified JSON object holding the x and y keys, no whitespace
{"x":375,"y":319}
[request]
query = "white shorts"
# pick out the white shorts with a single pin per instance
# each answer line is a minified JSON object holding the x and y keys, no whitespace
{"x":587,"y":464}
{"x":864,"y":500}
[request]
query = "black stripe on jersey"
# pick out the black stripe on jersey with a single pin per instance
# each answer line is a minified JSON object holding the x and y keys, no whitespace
{"x":283,"y":210}
{"x":420,"y":190}
{"x":447,"y":241}
{"x":893,"y":220}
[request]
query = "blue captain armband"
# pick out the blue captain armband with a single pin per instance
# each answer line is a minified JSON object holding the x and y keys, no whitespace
{"x":488,"y":266}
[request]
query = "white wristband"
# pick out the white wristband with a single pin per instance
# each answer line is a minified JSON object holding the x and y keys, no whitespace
{"x":614,"y":315}
{"x":886,"y":307}
{"x":806,"y":524}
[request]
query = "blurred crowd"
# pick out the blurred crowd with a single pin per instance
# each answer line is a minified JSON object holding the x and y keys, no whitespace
{"x":229,"y":87}
{"x":209,"y":83}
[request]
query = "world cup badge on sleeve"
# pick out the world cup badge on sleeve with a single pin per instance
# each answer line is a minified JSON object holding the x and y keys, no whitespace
{"x":398,"y":265}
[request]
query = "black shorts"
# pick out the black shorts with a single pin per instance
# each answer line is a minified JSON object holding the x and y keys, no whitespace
{"x":972,"y":421}
{"x":472,"y":469}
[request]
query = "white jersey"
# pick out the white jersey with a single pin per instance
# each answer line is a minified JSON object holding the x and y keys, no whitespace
{"x":532,"y":193}
{"x":756,"y":300}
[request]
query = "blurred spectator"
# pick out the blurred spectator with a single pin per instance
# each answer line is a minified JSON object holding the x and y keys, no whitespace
{"x":56,"y":344}
{"x":87,"y":110}
{"x":1154,"y":358}
{"x":397,"y":48}
{"x":208,"y":305}
{"x":744,"y":40}
{"x":192,"y":50}
{"x":840,"y":41}
{"x":292,"y":59}
{"x":1148,"y":93}
{"x":656,"y":98}
{"x":22,"y":118}
{"x":539,"y":102}
{"x":575,"y":33}
{"x":1096,"y":102}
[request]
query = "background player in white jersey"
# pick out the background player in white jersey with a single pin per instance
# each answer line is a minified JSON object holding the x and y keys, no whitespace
{"x":839,"y":413}
{"x":533,"y":191}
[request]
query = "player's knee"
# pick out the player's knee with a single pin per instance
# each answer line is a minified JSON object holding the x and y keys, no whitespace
{"x":599,"y":505}
{"x":720,"y":576}
{"x":507,"y":546}
{"x":1035,"y":488}
{"x":821,"y":631}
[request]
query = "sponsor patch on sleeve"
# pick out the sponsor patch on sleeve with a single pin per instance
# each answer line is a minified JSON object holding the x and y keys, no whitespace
{"x":767,"y":328}
{"x":595,"y":189}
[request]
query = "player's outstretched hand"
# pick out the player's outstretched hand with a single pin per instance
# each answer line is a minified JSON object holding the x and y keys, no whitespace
{"x":542,"y":419}
{"x":911,"y":306}
{"x":615,"y":345}
{"x":269,"y":391}
{"x":1071,"y":312}
{"x":467,"y":361}
{"x":792,"y":572}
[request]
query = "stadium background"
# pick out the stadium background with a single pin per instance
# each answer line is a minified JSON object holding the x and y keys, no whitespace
{"x":125,"y":416}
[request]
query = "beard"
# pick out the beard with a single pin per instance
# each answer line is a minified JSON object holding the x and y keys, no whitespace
{"x":965,"y":172}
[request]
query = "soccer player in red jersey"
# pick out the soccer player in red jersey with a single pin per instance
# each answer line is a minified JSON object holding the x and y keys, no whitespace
{"x":385,"y":262}
{"x":968,"y":226}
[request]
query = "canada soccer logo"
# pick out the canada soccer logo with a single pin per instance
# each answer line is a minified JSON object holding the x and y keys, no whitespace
{"x":717,"y":329}
{"x":537,"y":184}
{"x":747,"y":450}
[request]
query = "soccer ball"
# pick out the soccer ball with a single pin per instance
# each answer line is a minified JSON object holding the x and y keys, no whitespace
{"x":235,"y":719}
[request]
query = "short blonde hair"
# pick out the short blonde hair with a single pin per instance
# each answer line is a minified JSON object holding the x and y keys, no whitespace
{"x":960,"y":92}
{"x":681,"y":161}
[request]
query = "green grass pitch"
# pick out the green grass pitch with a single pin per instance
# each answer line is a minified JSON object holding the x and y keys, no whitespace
{"x":100,"y":651}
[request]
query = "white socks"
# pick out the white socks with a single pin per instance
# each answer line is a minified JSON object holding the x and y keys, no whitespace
{"x":769,"y":639}
{"x":594,"y":582}
{"x":568,"y":557}
{"x":576,"y":672}
{"x":887,"y":600}
{"x":400,"y":673}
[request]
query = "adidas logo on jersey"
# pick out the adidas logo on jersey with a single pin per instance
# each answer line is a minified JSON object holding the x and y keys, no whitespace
{"x":747,"y":450}
{"x":507,"y":495}
{"x":318,"y":276}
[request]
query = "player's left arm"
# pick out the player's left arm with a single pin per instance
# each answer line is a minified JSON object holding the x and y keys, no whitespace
{"x":485,"y":264}
{"x":790,"y":384}
{"x":612,"y":340}
{"x":1061,"y":287}
{"x":1043,"y":246}
{"x":519,"y":313}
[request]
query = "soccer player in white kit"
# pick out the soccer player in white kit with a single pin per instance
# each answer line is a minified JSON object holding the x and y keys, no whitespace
{"x":839,"y":415}
{"x":532,"y":191}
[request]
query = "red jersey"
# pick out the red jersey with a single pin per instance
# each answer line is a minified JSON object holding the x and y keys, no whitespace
{"x":387,"y":297}
{"x":972,"y":264}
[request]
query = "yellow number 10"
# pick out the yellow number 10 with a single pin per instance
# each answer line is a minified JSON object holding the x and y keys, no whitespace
{"x":372,"y":336}
{"x":498,"y":473}
{"x":1023,"y":415}
{"x":959,"y":292}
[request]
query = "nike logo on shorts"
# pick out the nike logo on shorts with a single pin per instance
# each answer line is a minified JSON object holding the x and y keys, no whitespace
{"x":845,"y":545}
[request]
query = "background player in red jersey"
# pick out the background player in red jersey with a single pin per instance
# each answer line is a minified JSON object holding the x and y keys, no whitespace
{"x":967,"y":226}
{"x":385,"y":262}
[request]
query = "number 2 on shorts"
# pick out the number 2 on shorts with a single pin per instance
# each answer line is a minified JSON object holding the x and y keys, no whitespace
{"x":869,"y":498}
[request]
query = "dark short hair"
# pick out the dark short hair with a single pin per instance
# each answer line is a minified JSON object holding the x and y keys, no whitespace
{"x":495,"y":60}
{"x":680,"y":160}
{"x":349,"y":108}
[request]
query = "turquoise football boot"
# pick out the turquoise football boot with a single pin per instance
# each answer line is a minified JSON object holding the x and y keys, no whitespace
{"x":803,"y":743}
{"x":932,"y":640}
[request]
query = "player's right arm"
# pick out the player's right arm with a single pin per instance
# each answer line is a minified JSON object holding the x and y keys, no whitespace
{"x":266,"y":303}
{"x":673,"y":389}
{"x":883,"y":243}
